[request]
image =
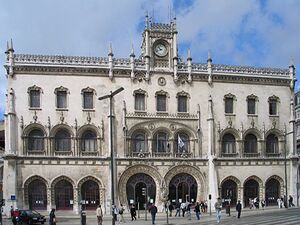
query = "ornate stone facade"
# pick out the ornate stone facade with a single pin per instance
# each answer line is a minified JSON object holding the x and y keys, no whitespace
{"x":195,"y":130}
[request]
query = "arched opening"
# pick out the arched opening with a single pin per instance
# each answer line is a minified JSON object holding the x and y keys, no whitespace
{"x":272,"y":191}
{"x":182,"y":143}
{"x":228,"y":144}
{"x":160,"y":143}
{"x":251,"y":191}
{"x":139,"y":142}
{"x":88,"y":141}
{"x":140,"y":189}
{"x":250,"y":146}
{"x":229,"y":192}
{"x":37,"y":195}
{"x":272,"y":144}
{"x":183,"y":188}
{"x":36,"y":140}
{"x":64,"y":195}
{"x":90,"y":195}
{"x":62,"y":140}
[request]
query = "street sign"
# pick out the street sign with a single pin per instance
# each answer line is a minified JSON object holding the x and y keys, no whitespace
{"x":13,"y":197}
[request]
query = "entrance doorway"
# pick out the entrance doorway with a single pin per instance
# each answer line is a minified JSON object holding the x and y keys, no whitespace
{"x":272,"y":191}
{"x":141,"y":190}
{"x":90,"y":195}
{"x":229,"y":192}
{"x":64,"y":195}
{"x":251,"y":190}
{"x":37,"y":195}
{"x":183,"y":188}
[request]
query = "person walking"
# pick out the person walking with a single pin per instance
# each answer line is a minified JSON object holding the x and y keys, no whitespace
{"x":99,"y":214}
{"x":177,"y":209}
{"x":197,"y":210}
{"x":279,"y":202}
{"x":291,"y":204}
{"x":133,"y":212}
{"x":115,"y":212}
{"x":171,"y":207}
{"x":15,"y":216}
{"x":153,"y":211}
{"x":263,"y":204}
{"x":218,"y":208}
{"x":52,"y":218}
{"x":239,"y":209}
{"x":121,"y":212}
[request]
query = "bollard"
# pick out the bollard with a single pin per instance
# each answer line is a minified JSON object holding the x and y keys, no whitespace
{"x":83,"y":218}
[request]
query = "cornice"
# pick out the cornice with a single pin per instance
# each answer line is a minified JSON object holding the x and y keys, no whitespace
{"x":73,"y":65}
{"x":145,"y":115}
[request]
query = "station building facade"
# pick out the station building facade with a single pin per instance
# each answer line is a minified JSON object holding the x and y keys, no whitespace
{"x":181,"y":130}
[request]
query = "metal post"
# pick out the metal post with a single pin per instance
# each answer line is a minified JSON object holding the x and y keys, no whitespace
{"x":146,"y":203}
{"x":285,"y":173}
{"x":297,"y":186}
{"x":112,"y":159}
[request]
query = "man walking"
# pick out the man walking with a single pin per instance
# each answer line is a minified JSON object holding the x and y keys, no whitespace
{"x":239,"y":208}
{"x":197,"y":210}
{"x":153,"y":211}
{"x":218,"y":207}
{"x":291,"y":201}
{"x":99,"y":214}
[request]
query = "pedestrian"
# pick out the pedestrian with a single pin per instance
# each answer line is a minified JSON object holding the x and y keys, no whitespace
{"x":279,"y":203}
{"x":52,"y":218}
{"x":171,"y":207}
{"x":205,"y":206}
{"x":121,"y":212}
{"x":115,"y":212}
{"x":133,"y":212}
{"x":183,"y":208}
{"x":177,"y":206}
{"x":153,"y":211}
{"x":15,"y":216}
{"x":291,"y":204}
{"x":218,"y":208}
{"x":239,"y":208}
{"x":188,"y":210}
{"x":263,"y":204}
{"x":11,"y":211}
{"x":197,"y":211}
{"x":99,"y":214}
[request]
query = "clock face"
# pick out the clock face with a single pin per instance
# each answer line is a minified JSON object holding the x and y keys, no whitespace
{"x":160,"y":50}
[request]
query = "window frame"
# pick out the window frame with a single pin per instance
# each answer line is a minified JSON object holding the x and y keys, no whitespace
{"x":30,"y":98}
{"x":232,"y":98}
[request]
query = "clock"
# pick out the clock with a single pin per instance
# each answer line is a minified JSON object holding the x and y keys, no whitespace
{"x":160,"y":50}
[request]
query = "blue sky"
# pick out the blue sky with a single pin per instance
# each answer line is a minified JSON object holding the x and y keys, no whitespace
{"x":254,"y":33}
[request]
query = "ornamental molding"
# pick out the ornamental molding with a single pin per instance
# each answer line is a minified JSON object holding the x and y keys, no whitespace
{"x":183,"y":93}
{"x":88,"y":89}
{"x":146,"y":115}
{"x":252,"y":96}
{"x":61,"y":88}
{"x":34,"y":88}
{"x":229,"y":95}
{"x":273,"y":98}
{"x":140,"y":91}
{"x":162,"y":92}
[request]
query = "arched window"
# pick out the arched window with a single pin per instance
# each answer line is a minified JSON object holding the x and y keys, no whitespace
{"x":62,"y":140}
{"x":139,"y":143}
{"x":160,"y":142}
{"x":181,"y":143}
{"x":89,"y":141}
{"x":36,"y":140}
{"x":250,"y":144}
{"x":272,"y":144}
{"x":228,"y":144}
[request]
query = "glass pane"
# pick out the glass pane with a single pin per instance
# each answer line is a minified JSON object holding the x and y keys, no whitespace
{"x":250,"y":144}
{"x":229,"y":105}
{"x":251,"y":106}
{"x":161,"y":103}
{"x":272,"y":107}
{"x":89,"y":142}
{"x":35,"y":98}
{"x":63,"y":141}
{"x":139,"y":102}
{"x":36,"y":140}
{"x":182,"y":104}
{"x":61,"y":99}
{"x":88,"y":100}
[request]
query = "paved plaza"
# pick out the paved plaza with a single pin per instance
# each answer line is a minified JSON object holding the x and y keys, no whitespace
{"x":269,"y":216}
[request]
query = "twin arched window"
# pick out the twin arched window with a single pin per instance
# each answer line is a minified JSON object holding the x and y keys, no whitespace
{"x":228,"y":144}
{"x":62,"y":140}
{"x":250,"y":145}
{"x":36,"y":140}
{"x":88,"y":141}
{"x":272,"y":144}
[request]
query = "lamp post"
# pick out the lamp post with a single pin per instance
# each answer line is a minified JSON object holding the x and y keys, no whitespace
{"x":285,"y":167}
{"x":112,"y":159}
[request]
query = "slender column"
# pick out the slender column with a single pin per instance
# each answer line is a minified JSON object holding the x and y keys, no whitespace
{"x":212,"y":176}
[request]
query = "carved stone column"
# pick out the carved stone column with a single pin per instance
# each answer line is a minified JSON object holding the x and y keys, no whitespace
{"x":75,"y":201}
{"x":49,"y":200}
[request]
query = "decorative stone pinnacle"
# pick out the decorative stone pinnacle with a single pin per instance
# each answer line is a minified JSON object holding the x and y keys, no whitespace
{"x":110,"y":52}
{"x":209,"y":56}
{"x":189,"y":54}
{"x":132,"y":51}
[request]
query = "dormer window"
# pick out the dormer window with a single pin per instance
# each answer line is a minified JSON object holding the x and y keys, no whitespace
{"x":88,"y":98}
{"x":273,"y":105}
{"x":34,"y":97}
{"x":61,"y":97}
{"x":228,"y":101}
{"x":139,"y":100}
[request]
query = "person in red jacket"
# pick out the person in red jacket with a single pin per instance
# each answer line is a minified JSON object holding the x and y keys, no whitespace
{"x":15,"y":216}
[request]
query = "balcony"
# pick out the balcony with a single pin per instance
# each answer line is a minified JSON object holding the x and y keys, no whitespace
{"x":273,"y":155}
{"x":229,"y":155}
{"x":251,"y":155}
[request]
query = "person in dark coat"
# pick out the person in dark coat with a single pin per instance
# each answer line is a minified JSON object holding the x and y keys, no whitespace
{"x":171,"y":207}
{"x":239,"y":208}
{"x":133,"y":212}
{"x":153,"y":211}
{"x":52,"y":219}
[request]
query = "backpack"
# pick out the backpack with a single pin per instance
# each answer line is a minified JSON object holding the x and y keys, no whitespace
{"x":121,"y":211}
